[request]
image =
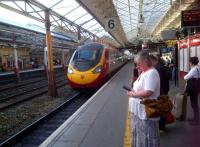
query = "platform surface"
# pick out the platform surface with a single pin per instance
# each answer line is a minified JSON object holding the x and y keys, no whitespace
{"x":101,"y":121}
{"x":180,"y":133}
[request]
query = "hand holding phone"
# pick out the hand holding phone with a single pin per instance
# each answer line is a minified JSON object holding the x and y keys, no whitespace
{"x":127,"y":88}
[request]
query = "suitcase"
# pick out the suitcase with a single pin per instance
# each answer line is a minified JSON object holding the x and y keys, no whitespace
{"x":180,"y":106}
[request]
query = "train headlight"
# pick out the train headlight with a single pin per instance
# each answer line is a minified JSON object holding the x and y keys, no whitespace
{"x":69,"y":70}
{"x":97,"y":69}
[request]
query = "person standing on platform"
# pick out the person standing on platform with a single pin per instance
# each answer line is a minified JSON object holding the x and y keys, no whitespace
{"x":163,"y":73}
{"x":144,"y":131}
{"x":193,"y":73}
{"x":164,"y":84}
{"x":135,"y":75}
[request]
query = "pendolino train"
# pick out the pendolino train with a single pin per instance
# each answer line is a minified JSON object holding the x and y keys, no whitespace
{"x":91,"y":64}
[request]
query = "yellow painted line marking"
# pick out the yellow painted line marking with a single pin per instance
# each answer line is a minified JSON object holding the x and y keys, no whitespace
{"x":127,"y":136}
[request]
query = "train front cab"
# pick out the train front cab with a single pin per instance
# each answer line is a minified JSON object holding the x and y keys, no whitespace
{"x":87,"y":67}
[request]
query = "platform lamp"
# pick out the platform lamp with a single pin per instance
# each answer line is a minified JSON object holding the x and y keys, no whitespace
{"x":141,"y":19}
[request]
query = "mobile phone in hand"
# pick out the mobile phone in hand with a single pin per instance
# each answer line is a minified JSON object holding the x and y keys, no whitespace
{"x":127,"y":88}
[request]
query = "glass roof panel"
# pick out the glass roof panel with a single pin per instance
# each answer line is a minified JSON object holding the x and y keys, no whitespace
{"x":49,"y":3}
{"x":74,"y":12}
{"x":67,"y":8}
{"x":89,"y":24}
{"x":139,"y":17}
{"x":20,"y":20}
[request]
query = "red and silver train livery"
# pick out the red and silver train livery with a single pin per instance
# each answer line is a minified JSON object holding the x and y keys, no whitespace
{"x":91,"y":64}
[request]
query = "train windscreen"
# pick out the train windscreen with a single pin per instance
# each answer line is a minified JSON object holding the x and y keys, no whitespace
{"x":87,"y":56}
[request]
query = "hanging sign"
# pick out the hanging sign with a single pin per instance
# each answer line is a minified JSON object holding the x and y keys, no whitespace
{"x":111,"y":24}
{"x":190,"y":18}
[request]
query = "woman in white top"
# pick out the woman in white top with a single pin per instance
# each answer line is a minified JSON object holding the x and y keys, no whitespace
{"x":144,"y":131}
{"x":194,"y":73}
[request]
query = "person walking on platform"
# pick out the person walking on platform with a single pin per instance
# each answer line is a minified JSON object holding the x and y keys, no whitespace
{"x":193,"y":73}
{"x":164,"y":83}
{"x":144,"y":131}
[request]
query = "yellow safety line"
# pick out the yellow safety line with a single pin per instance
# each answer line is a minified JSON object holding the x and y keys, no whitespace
{"x":127,"y":136}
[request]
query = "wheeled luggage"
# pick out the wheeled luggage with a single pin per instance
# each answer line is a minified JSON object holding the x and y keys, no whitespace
{"x":180,"y":106}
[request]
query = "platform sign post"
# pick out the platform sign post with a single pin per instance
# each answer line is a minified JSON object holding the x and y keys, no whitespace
{"x":111,"y":24}
{"x":51,"y":75}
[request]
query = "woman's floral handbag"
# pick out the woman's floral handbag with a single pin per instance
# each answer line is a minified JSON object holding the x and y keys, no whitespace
{"x":157,"y":107}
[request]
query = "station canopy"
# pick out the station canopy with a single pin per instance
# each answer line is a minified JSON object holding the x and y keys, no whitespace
{"x":69,"y":9}
{"x":138,"y":19}
{"x":77,"y":14}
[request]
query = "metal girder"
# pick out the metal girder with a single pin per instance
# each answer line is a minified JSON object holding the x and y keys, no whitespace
{"x":58,"y":20}
{"x":172,"y":18}
{"x":86,"y":22}
{"x":80,"y":17}
{"x":92,"y":25}
{"x":71,"y":11}
{"x":56,"y":4}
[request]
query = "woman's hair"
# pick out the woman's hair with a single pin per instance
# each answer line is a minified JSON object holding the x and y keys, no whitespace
{"x":143,"y":57}
{"x":194,"y":60}
{"x":152,"y":57}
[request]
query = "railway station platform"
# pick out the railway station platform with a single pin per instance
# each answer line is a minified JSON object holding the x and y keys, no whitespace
{"x":26,"y":70}
{"x":10,"y":76}
{"x":101,"y":121}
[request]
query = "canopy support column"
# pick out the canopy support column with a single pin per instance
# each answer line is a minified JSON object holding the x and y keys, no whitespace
{"x":51,"y":75}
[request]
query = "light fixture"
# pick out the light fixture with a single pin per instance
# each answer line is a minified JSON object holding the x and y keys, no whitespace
{"x":141,"y":20}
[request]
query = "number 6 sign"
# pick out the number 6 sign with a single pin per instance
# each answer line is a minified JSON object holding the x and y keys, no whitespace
{"x":111,"y":24}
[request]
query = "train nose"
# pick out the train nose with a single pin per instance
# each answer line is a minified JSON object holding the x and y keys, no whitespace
{"x":82,"y":78}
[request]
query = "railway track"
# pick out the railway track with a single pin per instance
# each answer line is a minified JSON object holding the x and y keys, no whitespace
{"x":6,"y":87}
{"x":37,"y":132}
{"x":18,"y":91}
{"x":22,"y":83}
{"x":28,"y":92}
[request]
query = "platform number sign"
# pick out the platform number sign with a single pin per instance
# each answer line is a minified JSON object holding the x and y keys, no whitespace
{"x":111,"y":24}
